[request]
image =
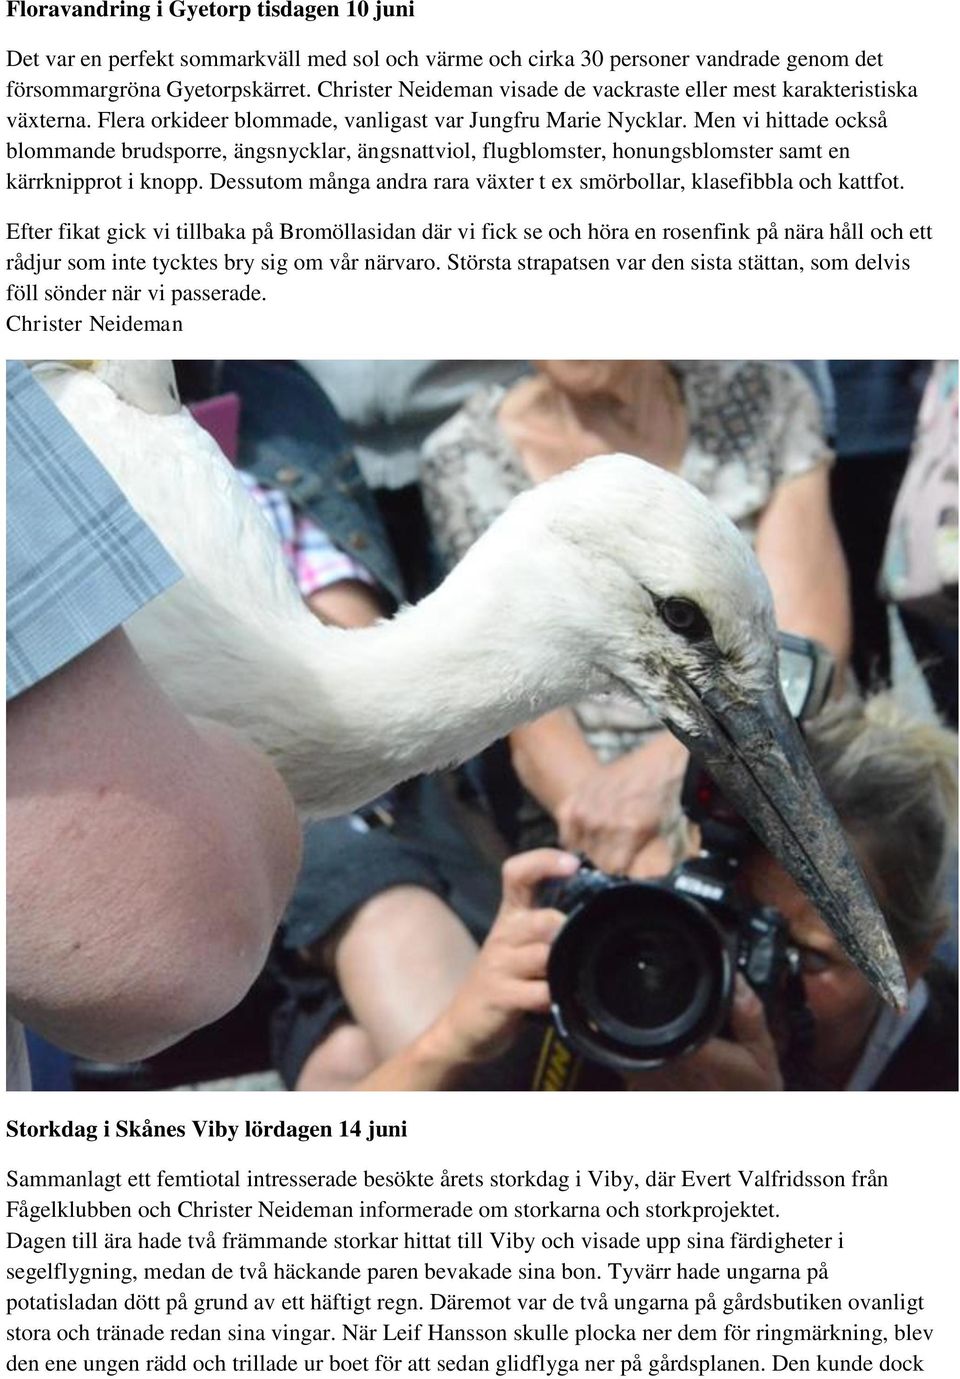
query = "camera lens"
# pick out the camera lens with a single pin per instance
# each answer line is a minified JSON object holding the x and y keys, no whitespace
{"x":639,"y":974}
{"x":644,"y":974}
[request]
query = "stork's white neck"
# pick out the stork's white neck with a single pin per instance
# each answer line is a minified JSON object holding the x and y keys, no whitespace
{"x":432,"y":688}
{"x":438,"y":684}
{"x":558,"y":587}
{"x":347,"y":714}
{"x":344,"y":715}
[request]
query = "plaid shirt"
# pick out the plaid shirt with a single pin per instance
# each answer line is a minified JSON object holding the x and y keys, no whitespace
{"x":79,"y":559}
{"x":311,"y":557}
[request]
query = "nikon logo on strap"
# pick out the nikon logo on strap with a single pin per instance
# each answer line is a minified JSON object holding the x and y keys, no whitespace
{"x":558,"y":1069}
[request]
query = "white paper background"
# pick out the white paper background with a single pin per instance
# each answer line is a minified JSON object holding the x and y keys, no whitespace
{"x":519,"y":315}
{"x":906,"y":1237}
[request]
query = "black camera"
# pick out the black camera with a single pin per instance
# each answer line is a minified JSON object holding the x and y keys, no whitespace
{"x":643,"y":972}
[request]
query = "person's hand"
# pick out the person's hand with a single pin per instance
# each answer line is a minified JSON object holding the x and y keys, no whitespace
{"x":508,"y":979}
{"x":747,"y":1062}
{"x":616,"y":812}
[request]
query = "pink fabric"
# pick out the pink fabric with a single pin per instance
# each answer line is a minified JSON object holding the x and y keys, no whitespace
{"x":313,"y":560}
{"x":221,"y":417}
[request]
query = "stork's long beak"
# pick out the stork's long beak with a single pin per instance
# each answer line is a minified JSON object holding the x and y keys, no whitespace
{"x":756,"y":755}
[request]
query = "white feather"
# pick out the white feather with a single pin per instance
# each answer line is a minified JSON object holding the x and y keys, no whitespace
{"x":556,"y":601}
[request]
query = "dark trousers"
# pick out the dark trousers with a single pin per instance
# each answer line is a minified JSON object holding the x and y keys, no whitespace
{"x":862,"y":491}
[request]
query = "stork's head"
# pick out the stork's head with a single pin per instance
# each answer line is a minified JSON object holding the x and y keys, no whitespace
{"x":680,"y":615}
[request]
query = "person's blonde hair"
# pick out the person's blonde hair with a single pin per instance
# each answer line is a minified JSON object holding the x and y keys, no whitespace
{"x":892,"y":778}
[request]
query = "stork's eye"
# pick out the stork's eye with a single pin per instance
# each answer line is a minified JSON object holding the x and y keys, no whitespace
{"x":683,"y":616}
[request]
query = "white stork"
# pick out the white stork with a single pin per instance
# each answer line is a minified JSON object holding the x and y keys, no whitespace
{"x":615,"y":576}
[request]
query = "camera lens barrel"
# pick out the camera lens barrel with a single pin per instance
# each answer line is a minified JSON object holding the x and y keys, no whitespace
{"x":639,"y":974}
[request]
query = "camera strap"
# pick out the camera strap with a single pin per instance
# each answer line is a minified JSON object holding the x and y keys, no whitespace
{"x":796,"y":1059}
{"x":558,"y":1067}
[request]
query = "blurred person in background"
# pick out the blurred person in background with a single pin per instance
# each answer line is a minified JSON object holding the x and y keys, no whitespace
{"x":919,"y":574}
{"x":389,"y":407}
{"x":343,"y":438}
{"x":290,"y":437}
{"x":875,"y":413}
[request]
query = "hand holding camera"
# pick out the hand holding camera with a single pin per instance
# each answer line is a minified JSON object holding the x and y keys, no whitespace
{"x":746,"y":1062}
{"x":681,"y":983}
{"x":643,"y":973}
{"x":508,"y":979}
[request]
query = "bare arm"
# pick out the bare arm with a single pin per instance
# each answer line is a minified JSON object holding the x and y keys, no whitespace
{"x":611,"y":812}
{"x":551,"y":757}
{"x":149,"y":859}
{"x":426,"y":1065}
{"x":348,"y":603}
{"x":799,"y":550}
{"x":506,"y":982}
